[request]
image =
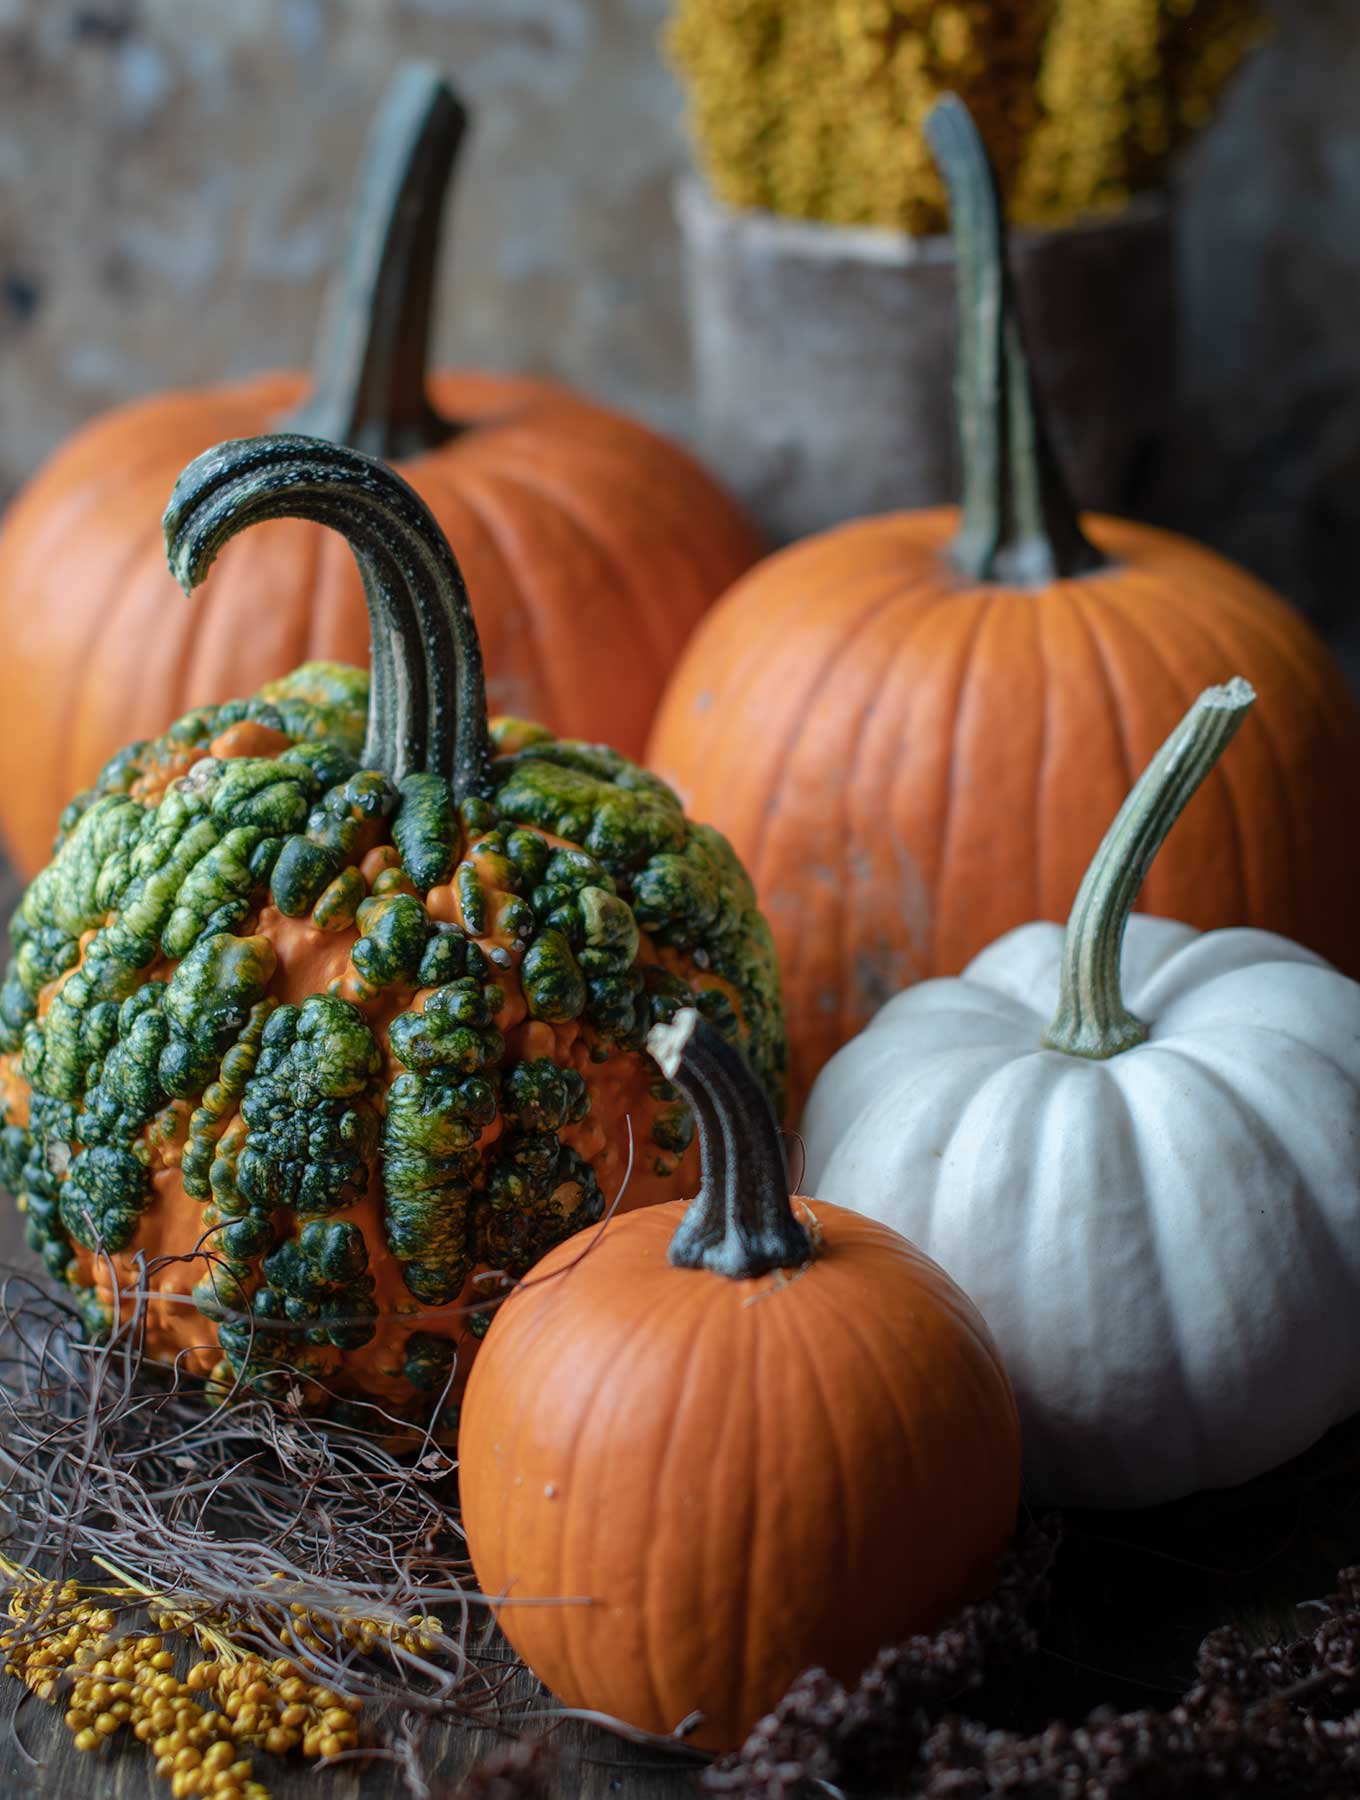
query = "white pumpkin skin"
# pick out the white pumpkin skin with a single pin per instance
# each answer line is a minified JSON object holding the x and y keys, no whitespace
{"x":1166,"y":1243}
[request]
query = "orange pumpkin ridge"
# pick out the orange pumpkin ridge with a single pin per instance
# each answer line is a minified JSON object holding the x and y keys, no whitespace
{"x":913,"y":728}
{"x":797,"y":1428}
{"x":592,"y":545}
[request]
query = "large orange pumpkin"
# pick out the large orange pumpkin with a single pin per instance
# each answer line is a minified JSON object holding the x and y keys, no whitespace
{"x":914,"y":728}
{"x":592,"y":545}
{"x":743,"y":1436}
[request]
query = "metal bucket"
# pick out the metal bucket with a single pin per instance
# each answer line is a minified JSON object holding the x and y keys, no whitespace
{"x":824,"y":357}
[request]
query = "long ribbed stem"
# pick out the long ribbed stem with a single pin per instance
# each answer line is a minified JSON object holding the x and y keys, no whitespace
{"x":427,"y":709}
{"x":1092,"y":1019}
{"x":1019,"y":523}
{"x":740,"y":1222}
{"x":372,"y":351}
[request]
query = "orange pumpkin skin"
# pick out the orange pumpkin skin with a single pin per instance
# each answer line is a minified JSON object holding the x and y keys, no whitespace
{"x":593,"y":548}
{"x":909,"y":764}
{"x":743,"y":1477}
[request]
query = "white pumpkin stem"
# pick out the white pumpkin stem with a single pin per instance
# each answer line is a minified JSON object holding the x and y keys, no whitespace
{"x":1092,"y":1019}
{"x":740,"y":1223}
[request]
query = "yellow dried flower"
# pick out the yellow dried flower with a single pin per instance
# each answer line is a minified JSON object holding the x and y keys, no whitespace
{"x":815,"y":107}
{"x":230,"y":1701}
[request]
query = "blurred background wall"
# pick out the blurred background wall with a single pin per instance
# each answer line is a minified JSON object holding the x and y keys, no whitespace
{"x":173,"y":178}
{"x":146,"y":241}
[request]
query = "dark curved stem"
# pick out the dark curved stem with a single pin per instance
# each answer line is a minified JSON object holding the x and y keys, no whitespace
{"x":372,"y":351}
{"x":427,"y":709}
{"x":740,"y":1222}
{"x":1019,"y":523}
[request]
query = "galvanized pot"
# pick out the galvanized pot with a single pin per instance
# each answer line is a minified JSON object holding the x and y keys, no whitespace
{"x":824,"y":357}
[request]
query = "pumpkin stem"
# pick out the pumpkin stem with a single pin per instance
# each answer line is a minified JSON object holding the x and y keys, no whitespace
{"x":740,"y":1222}
{"x":1019,"y":524}
{"x":1092,"y":1019}
{"x":427,"y":704}
{"x":372,"y":350}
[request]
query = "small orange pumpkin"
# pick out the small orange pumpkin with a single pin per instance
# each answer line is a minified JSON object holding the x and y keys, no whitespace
{"x":914,"y":728}
{"x":593,"y":546}
{"x":745,"y":1436}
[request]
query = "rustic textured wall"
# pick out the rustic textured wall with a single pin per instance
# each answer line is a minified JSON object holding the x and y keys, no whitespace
{"x":173,"y":176}
{"x":1270,"y":253}
{"x":173,"y":173}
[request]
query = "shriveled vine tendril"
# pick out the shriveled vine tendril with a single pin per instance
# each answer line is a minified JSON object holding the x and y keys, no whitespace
{"x":102,"y":1455}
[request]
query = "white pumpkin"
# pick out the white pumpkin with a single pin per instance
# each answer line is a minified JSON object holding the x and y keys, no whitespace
{"x":1155,"y":1206}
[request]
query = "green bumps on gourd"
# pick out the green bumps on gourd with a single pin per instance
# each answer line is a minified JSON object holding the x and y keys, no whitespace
{"x":312,"y":1137}
{"x":435,"y":1114}
{"x":540,"y":1095}
{"x":207,"y":1003}
{"x":308,"y":864}
{"x":141,"y":1008}
{"x":317,"y":1291}
{"x":103,"y":1196}
{"x":554,"y":986}
{"x":321,"y":700}
{"x":427,"y":830}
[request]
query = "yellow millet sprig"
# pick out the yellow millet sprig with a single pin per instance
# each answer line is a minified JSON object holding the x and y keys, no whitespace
{"x":815,"y":107}
{"x":231,"y":1702}
{"x":52,"y":1630}
{"x":309,"y":1636}
{"x":61,"y":1631}
{"x":271,"y":1705}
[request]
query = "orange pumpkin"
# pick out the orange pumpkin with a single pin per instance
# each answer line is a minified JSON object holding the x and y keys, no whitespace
{"x":914,"y":728}
{"x":753,"y":1436}
{"x":592,"y":545}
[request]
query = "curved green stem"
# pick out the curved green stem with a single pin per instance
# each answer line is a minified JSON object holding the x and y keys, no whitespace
{"x":1092,"y":1019}
{"x":427,"y":710}
{"x":1019,"y":523}
{"x":372,"y":351}
{"x":740,"y":1222}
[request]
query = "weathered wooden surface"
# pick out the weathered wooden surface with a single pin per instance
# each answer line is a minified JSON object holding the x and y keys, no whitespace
{"x":589,"y":1764}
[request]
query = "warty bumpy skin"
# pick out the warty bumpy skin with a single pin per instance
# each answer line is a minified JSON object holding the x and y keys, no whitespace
{"x":143,"y":1028}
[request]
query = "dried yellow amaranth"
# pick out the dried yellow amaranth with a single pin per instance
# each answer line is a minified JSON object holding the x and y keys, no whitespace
{"x":815,"y":107}
{"x":64,"y":1644}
